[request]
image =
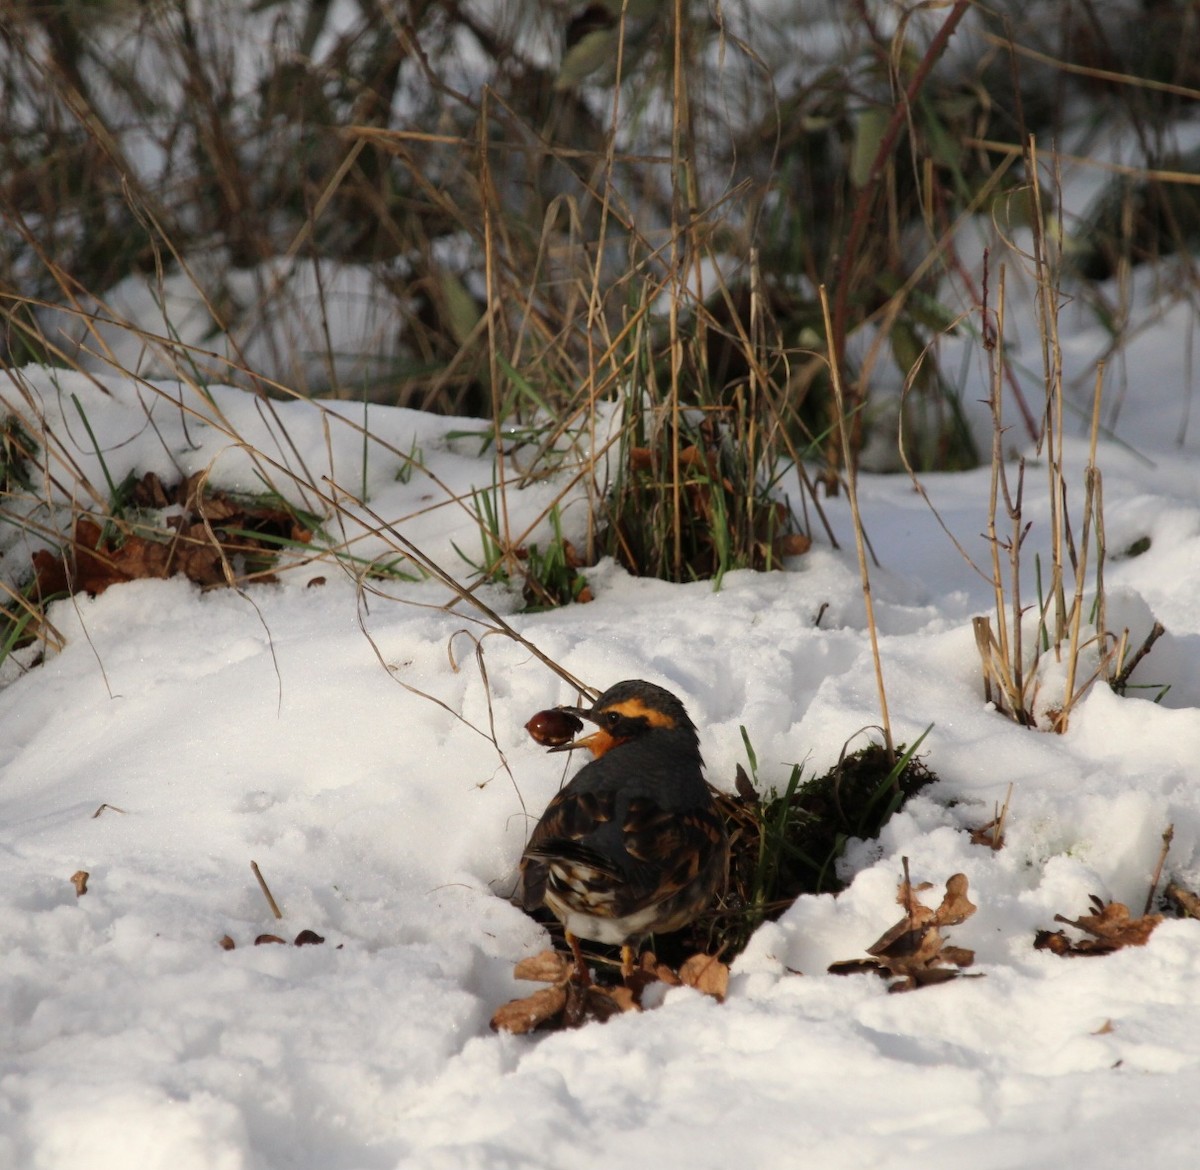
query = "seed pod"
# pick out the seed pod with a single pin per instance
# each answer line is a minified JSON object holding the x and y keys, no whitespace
{"x":554,"y":728}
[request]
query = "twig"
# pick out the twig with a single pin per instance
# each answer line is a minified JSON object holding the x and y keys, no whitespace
{"x":1167,"y":837}
{"x":103,"y":807}
{"x":859,"y":536}
{"x":262,"y":883}
{"x":1000,"y":821}
{"x":1122,"y":677}
{"x":435,"y":570}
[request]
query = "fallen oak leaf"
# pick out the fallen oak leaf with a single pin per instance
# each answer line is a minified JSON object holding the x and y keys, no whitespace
{"x":706,"y":973}
{"x":79,"y":879}
{"x":1054,"y":941}
{"x":544,"y":967}
{"x":793,"y":544}
{"x":307,"y":938}
{"x":926,"y":977}
{"x":659,"y":971}
{"x":957,"y":956}
{"x":913,"y":951}
{"x":623,"y":997}
{"x":1184,"y":900}
{"x":1114,"y":924}
{"x":956,"y":907}
{"x":596,"y":1003}
{"x":519,"y":1016}
{"x":1111,"y":928}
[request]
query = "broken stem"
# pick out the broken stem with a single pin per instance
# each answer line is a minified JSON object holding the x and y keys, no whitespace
{"x":262,"y":885}
{"x":1167,"y":837}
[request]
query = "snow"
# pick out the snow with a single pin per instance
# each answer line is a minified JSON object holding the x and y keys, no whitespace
{"x":262,"y":727}
{"x":338,"y":735}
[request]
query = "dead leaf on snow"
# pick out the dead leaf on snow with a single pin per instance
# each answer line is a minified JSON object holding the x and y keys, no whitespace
{"x":1110,"y":926}
{"x":572,"y":1005}
{"x":211,"y":539}
{"x":79,"y":879}
{"x":1185,"y":901}
{"x":707,"y":974}
{"x":546,"y":967}
{"x":913,"y":952}
{"x":523,"y":1015}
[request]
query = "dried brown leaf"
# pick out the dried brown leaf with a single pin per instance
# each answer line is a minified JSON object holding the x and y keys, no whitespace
{"x":742,"y":785}
{"x":956,"y":907}
{"x":1183,"y":899}
{"x":707,"y":974}
{"x":922,"y":977}
{"x":1111,"y":927}
{"x":913,"y":950}
{"x":1114,"y":924}
{"x":545,"y":967}
{"x":269,"y":938}
{"x":793,"y":544}
{"x":1054,"y":941}
{"x":308,"y":938}
{"x":523,"y":1015}
{"x":79,"y":879}
{"x":989,"y":835}
{"x":226,"y":943}
{"x":958,"y":956}
{"x":623,"y":997}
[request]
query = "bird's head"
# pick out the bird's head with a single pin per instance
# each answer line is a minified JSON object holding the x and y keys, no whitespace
{"x":626,"y":711}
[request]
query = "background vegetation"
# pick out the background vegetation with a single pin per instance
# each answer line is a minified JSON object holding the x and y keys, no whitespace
{"x":524,"y":211}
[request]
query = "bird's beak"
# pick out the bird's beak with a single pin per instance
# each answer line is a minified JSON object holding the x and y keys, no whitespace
{"x":586,"y":741}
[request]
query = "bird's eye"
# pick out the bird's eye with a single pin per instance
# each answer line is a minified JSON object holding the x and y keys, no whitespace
{"x":611,"y":718}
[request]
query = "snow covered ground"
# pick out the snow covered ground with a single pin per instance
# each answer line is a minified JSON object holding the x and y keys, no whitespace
{"x":215,"y":729}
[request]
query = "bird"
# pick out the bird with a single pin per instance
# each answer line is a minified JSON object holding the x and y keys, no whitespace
{"x":633,"y":844}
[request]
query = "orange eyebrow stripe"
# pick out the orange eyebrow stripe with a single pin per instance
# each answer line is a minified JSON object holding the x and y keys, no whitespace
{"x":636,"y":709}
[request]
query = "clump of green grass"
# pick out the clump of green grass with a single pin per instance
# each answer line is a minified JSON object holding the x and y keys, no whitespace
{"x":786,"y":842}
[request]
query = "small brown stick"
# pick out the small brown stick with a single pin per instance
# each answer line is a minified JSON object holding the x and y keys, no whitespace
{"x":983,"y":643}
{"x":908,"y":891}
{"x":262,"y":883}
{"x":859,"y":532}
{"x":1000,"y":821}
{"x":1167,"y":837}
{"x":113,"y":807}
{"x":1123,"y":676}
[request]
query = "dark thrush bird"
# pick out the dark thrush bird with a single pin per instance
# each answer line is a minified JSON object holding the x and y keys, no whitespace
{"x":634,"y":844}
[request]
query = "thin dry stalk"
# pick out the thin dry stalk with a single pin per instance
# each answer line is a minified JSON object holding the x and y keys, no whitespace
{"x":1167,"y":837}
{"x":1092,"y":491}
{"x":859,"y":537}
{"x":262,"y":885}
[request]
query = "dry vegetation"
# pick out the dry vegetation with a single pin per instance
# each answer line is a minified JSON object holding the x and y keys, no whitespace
{"x":435,"y":205}
{"x":513,"y":233}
